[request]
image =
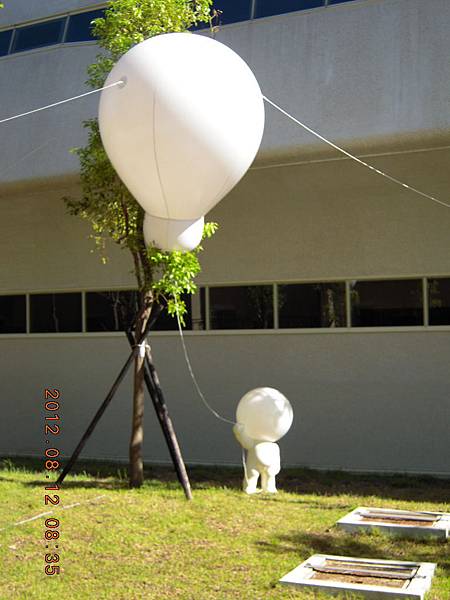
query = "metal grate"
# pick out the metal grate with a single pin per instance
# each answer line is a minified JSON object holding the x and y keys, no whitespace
{"x":365,"y":569}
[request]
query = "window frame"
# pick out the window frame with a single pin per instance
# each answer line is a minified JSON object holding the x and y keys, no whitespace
{"x":64,"y":15}
{"x":17,"y":30}
{"x":67,"y":14}
{"x":74,"y":14}
{"x":420,"y":280}
{"x":349,"y":328}
{"x":240,"y":285}
{"x":427,"y":299}
{"x":53,"y":293}
{"x":17,"y":294}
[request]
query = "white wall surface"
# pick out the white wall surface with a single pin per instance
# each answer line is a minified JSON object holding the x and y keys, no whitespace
{"x":363,"y":400}
{"x":38,"y":146}
{"x":376,"y":401}
{"x":306,"y":222}
{"x":371,"y":74}
{"x":43,"y":248}
{"x":333,"y":219}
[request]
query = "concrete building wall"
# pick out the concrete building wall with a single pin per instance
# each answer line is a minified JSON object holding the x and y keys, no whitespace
{"x":297,"y":223}
{"x":368,"y":74}
{"x":364,"y":401}
{"x":368,"y":400}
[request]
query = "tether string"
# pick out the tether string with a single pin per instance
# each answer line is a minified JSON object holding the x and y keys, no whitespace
{"x":191,"y":372}
{"x":355,"y":158}
{"x":36,"y":110}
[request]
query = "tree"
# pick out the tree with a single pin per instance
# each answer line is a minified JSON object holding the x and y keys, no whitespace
{"x":162,"y":277}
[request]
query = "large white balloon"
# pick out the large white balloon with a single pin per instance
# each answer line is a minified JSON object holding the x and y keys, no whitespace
{"x":186,"y":125}
{"x":265,"y":414}
{"x":172,"y":234}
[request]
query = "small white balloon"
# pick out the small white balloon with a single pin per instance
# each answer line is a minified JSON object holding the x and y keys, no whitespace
{"x":186,"y":125}
{"x":173,"y":234}
{"x":265,"y":414}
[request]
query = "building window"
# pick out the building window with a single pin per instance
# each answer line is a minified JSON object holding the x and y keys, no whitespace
{"x":5,"y":40}
{"x":439,"y":301}
{"x":241,"y":307}
{"x":266,"y":8}
{"x":232,"y":11}
{"x":80,"y":28}
{"x":198,"y":310}
{"x":111,"y":310}
{"x":338,"y":1}
{"x":307,"y":305}
{"x":55,"y":313}
{"x":36,"y":36}
{"x":13,"y":314}
{"x":386,"y":303}
{"x":116,"y":311}
{"x":166,"y":322}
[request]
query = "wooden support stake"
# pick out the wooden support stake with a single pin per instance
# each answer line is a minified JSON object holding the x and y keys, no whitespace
{"x":103,"y":407}
{"x":162,"y":412}
{"x":157,"y":397}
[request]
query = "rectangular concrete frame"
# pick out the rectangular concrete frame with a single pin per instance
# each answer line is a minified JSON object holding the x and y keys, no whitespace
{"x":440,"y":529}
{"x":415,"y":590}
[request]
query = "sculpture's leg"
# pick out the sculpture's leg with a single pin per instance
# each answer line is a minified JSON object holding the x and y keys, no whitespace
{"x":252,"y":473}
{"x":268,"y":483}
{"x":251,"y":481}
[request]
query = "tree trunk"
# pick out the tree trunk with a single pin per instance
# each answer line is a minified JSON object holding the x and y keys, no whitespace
{"x":136,"y":471}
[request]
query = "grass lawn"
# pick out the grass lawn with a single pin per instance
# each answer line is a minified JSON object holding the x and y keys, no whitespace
{"x":126,"y":544}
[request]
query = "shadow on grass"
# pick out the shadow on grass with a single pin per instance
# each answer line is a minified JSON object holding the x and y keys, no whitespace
{"x":298,"y":481}
{"x":304,"y":544}
{"x":99,"y":484}
{"x":390,"y":487}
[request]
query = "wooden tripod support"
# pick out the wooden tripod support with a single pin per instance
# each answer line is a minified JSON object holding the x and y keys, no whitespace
{"x":157,"y":397}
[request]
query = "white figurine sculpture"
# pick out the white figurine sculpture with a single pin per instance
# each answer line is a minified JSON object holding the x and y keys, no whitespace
{"x":263,"y":416}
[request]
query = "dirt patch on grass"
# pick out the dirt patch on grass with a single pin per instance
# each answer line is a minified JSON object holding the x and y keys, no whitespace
{"x":411,"y":522}
{"x":363,"y":580}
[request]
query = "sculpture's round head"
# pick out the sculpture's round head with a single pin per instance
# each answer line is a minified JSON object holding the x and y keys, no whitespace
{"x":265,"y":414}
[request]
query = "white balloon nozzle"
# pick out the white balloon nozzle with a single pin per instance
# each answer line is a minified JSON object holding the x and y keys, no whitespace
{"x":173,"y":234}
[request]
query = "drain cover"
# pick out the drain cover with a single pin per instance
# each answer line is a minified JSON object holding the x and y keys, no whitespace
{"x":405,"y":523}
{"x":370,"y":578}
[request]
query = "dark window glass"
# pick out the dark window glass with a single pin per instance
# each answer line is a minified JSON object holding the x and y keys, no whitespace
{"x":338,"y":1}
{"x":35,"y":36}
{"x":387,"y":303}
{"x":55,"y":313}
{"x":116,"y":311}
{"x":439,"y":301}
{"x":265,"y":8}
{"x":231,"y":11}
{"x":241,"y":307}
{"x":111,"y":310}
{"x":200,"y":26}
{"x":5,"y":39}
{"x":166,"y":322}
{"x":13,"y":314}
{"x":311,"y":305}
{"x":80,"y":28}
{"x":198,"y":310}
{"x":227,"y":11}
